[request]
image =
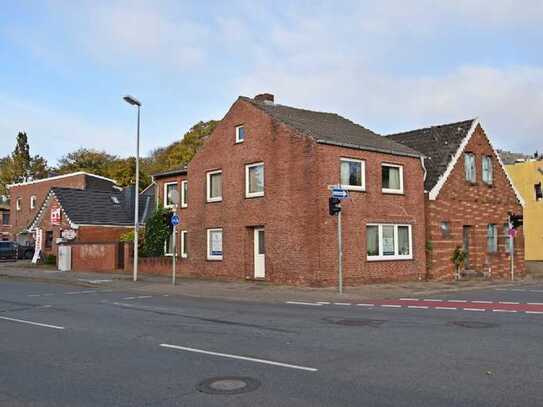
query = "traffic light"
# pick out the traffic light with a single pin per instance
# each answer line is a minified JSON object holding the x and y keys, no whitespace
{"x":516,"y":220}
{"x":334,"y":206}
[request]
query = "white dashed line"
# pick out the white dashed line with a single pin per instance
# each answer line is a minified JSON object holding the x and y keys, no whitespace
{"x":533,"y":312}
{"x":474,"y":309}
{"x":391,"y":306}
{"x":366,"y":305}
{"x":508,"y":302}
{"x":34,"y":295}
{"x":144,"y":296}
{"x":314,"y":304}
{"x":503,"y":310}
{"x":432,"y":300}
{"x":457,"y":300}
{"x":22,"y":321}
{"x":409,"y":299}
{"x":323,"y":302}
{"x":535,"y":303}
{"x":249,"y":359}
{"x":446,"y":308}
{"x":482,"y":302}
{"x":418,"y":306}
{"x":128,"y":298}
{"x":80,"y":292}
{"x":342,"y":303}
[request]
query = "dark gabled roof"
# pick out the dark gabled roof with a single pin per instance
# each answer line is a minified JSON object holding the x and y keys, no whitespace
{"x":438,"y":144}
{"x":180,"y":170}
{"x":331,"y":128}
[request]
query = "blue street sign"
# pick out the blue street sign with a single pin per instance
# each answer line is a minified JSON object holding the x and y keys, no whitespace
{"x":175,"y":219}
{"x":339,"y":193}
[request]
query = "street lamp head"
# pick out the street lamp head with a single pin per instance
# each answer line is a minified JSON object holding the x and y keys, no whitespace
{"x":132,"y":100}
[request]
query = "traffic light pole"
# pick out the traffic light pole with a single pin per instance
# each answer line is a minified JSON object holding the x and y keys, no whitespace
{"x":340,"y":255}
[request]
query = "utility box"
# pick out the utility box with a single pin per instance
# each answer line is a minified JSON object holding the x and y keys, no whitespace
{"x":64,"y":258}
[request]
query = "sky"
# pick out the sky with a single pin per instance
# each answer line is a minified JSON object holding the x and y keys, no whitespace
{"x":387,"y":65}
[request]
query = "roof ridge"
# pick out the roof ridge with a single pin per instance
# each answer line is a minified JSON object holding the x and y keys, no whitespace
{"x":435,"y":126}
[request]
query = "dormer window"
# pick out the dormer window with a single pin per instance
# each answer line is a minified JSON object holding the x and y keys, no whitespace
{"x":240,"y":134}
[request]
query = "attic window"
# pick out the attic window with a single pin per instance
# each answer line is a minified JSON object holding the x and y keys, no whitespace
{"x":115,"y":200}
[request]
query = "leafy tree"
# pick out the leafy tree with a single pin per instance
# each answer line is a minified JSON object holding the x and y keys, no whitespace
{"x":156,"y":233}
{"x":88,"y":160}
{"x":123,"y":171}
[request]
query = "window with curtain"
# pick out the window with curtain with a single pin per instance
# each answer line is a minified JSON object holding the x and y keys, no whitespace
{"x":389,"y":242}
{"x":392,"y":178}
{"x":254,"y":180}
{"x":352,"y":174}
{"x":469,"y":166}
{"x":492,"y":237}
{"x":487,"y":170}
{"x":168,"y":188}
{"x":214,"y":186}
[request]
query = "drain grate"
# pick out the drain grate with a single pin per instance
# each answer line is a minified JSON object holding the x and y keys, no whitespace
{"x":228,"y":385}
{"x":474,"y":324}
{"x":373,"y":323}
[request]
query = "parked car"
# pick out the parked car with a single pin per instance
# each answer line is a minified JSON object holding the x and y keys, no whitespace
{"x":8,"y":250}
{"x":25,"y":252}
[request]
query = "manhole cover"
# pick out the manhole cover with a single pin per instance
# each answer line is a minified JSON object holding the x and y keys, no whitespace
{"x":474,"y":324}
{"x":228,"y":385}
{"x":374,"y":323}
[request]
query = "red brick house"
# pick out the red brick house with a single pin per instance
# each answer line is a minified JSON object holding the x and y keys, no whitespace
{"x":91,"y":222}
{"x":468,"y":199}
{"x":257,"y":199}
{"x":28,"y":197}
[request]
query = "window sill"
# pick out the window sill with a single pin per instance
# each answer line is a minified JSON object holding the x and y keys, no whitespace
{"x":214,"y":200}
{"x":247,"y":196}
{"x":214,"y":258}
{"x":392,"y":192}
{"x":239,"y":141}
{"x":353,"y":188}
{"x":184,"y":206}
{"x":389,"y":258}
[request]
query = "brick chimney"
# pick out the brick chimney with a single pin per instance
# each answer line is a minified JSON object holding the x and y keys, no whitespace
{"x":267,"y":98}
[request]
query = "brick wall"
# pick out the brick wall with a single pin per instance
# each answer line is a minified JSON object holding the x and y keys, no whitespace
{"x":476,"y":205}
{"x":300,"y":234}
{"x":95,"y":256}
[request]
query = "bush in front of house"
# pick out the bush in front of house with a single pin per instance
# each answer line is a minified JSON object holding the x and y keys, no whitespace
{"x":157,"y":231}
{"x":50,"y":259}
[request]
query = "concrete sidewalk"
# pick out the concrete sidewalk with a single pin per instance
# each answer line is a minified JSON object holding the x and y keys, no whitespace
{"x":245,"y":291}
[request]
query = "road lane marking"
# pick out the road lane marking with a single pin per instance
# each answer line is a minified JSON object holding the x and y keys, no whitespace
{"x":533,"y":312}
{"x":446,"y":308}
{"x":457,"y":300}
{"x":342,"y":303}
{"x":314,"y":304}
{"x":246,"y":358}
{"x":474,"y":309}
{"x":508,"y":302}
{"x":323,"y":302}
{"x":366,"y":305}
{"x":482,"y":302}
{"x":144,"y":296}
{"x":34,"y":295}
{"x":80,"y":292}
{"x":22,"y":321}
{"x":418,"y":306}
{"x":391,"y":306}
{"x":432,"y":300}
{"x":503,"y":310}
{"x":409,"y":299}
{"x":535,"y":303}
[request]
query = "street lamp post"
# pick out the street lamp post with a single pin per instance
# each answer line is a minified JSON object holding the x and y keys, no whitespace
{"x":135,"y":102}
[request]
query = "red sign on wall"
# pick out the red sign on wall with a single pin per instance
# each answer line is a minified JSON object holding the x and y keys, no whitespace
{"x":55,"y":217}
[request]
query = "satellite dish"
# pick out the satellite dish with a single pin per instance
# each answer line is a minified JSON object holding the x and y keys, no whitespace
{"x":173,"y":196}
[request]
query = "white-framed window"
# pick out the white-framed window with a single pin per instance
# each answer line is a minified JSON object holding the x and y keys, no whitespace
{"x":507,"y":238}
{"x":240,"y":134}
{"x":254,"y":180}
{"x":487,"y":169}
{"x":168,"y":245}
{"x":184,"y":194}
{"x":469,"y":166}
{"x":492,"y":238}
{"x":18,"y":204}
{"x":214,"y":186}
{"x":33,"y":202}
{"x":214,"y":244}
{"x":352,"y":174}
{"x":389,"y":242}
{"x":184,"y":244}
{"x":392,"y":178}
{"x":168,"y":188}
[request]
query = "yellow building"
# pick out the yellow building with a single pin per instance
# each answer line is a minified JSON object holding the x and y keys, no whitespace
{"x":527,"y":175}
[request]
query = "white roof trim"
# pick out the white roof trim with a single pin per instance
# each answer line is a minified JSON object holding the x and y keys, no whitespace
{"x":72,"y":174}
{"x":443,"y":179}
{"x":39,"y":216}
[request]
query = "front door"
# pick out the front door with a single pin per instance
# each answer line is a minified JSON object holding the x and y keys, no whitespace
{"x":260,"y":253}
{"x":466,"y":231}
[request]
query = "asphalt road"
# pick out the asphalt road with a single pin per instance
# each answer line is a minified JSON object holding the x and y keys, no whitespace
{"x":97,"y":347}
